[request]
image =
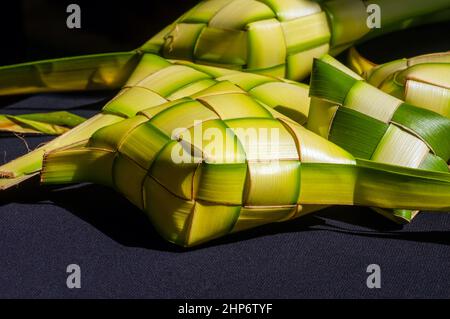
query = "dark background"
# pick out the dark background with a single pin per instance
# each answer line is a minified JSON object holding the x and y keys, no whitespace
{"x":42,"y":230}
{"x":36,"y":29}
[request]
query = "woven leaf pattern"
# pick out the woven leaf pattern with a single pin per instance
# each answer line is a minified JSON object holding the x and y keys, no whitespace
{"x":275,"y":37}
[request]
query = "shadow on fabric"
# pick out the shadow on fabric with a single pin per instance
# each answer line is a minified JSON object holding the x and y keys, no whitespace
{"x":118,"y":219}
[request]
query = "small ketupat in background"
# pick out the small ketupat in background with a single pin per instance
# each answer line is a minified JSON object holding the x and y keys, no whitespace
{"x":281,"y":37}
{"x":423,"y":81}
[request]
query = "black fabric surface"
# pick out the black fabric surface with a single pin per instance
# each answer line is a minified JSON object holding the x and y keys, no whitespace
{"x":325,"y":255}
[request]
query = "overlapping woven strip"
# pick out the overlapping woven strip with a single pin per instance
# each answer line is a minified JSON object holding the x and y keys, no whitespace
{"x":276,"y":37}
{"x":390,"y":118}
{"x":415,"y":136}
{"x":157,"y":80}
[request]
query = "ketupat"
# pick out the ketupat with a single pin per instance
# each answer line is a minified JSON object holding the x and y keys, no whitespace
{"x":156,"y":81}
{"x":422,"y":80}
{"x":196,"y":185}
{"x":373,"y":125}
{"x":281,"y":37}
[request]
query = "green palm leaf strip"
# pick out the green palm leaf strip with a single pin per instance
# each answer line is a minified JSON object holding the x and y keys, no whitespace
{"x":89,"y":72}
{"x":374,"y":125}
{"x":423,"y":81}
{"x":232,"y":180}
{"x":53,"y":123}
